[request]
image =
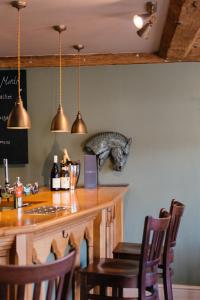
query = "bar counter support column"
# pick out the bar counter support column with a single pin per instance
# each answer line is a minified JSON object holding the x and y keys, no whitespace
{"x":24,"y":253}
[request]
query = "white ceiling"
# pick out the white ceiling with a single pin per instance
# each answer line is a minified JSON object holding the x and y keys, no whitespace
{"x":103,"y":26}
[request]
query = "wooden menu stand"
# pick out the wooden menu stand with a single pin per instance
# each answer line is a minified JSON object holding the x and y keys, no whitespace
{"x":93,"y":215}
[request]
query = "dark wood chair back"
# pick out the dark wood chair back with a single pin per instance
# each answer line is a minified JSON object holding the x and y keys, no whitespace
{"x":153,"y":237}
{"x":176,"y":212}
{"x":58,"y":275}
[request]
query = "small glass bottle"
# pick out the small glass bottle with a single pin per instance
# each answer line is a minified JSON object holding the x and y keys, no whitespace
{"x":18,"y":200}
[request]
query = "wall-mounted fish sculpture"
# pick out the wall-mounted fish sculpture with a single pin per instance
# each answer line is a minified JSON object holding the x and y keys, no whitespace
{"x":109,"y":144}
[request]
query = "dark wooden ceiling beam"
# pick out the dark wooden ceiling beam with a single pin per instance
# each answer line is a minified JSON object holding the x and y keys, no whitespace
{"x":86,"y":60}
{"x":181,"y":29}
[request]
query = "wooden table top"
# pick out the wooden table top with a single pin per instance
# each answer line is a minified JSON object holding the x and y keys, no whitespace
{"x":79,"y":203}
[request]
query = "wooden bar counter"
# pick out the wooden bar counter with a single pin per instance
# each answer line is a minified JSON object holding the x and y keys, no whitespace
{"x":93,"y":215}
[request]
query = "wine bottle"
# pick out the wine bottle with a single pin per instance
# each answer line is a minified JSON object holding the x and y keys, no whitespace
{"x":55,"y":175}
{"x":64,"y":177}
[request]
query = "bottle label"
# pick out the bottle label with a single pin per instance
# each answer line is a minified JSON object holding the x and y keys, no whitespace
{"x":55,"y":183}
{"x":55,"y":159}
{"x":19,"y":191}
{"x":65,"y":183}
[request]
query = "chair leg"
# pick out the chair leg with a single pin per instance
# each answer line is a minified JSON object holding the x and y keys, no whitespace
{"x":156,"y":290}
{"x":3,"y":292}
{"x":114,"y":292}
{"x":120,"y":292}
{"x":117,"y":292}
{"x":103,"y":290}
{"x":83,"y":287}
{"x":167,"y":283}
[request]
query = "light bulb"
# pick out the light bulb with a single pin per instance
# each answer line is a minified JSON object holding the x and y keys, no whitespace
{"x":138,"y":21}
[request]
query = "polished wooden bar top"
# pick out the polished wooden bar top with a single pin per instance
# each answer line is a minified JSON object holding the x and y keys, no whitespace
{"x":79,"y":203}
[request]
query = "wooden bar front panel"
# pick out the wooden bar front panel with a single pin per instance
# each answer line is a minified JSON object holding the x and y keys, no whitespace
{"x":94,"y":215}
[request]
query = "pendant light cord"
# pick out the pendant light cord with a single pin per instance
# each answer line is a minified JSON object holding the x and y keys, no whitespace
{"x":60,"y":54}
{"x":78,"y":81}
{"x":18,"y":56}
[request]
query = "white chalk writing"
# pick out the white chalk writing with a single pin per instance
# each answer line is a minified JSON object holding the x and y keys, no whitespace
{"x":8,"y":81}
{"x":5,"y":97}
{"x":4,"y":118}
{"x":4,"y":142}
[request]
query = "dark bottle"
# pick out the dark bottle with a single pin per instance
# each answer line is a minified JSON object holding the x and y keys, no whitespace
{"x":64,"y":177}
{"x":55,"y":175}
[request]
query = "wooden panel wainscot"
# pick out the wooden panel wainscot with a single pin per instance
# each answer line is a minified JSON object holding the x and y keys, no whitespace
{"x":92,"y":215}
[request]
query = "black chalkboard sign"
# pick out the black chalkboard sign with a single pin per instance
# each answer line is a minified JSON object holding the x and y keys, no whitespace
{"x":13,"y":143}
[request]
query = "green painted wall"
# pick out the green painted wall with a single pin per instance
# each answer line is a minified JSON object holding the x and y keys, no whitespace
{"x":159,"y":107}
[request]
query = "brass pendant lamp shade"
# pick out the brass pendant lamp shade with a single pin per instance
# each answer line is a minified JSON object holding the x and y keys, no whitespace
{"x":18,"y":117}
{"x":60,"y":122}
{"x":79,"y":125}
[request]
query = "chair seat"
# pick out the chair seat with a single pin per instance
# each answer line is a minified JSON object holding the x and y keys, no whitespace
{"x":115,"y":267}
{"x":133,"y":251}
{"x":128,"y":249}
{"x":109,"y":272}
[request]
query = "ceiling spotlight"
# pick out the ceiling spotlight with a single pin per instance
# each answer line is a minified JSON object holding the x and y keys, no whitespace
{"x":139,"y":20}
{"x":145,"y":30}
{"x":144,"y":21}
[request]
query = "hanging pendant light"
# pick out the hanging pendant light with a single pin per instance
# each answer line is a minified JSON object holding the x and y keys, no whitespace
{"x":79,"y":125}
{"x":18,"y":117}
{"x":60,"y":122}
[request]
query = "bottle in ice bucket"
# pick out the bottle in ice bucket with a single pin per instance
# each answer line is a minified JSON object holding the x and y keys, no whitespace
{"x":64,"y":177}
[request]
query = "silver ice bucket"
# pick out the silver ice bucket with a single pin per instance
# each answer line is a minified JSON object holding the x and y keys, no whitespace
{"x":74,"y":174}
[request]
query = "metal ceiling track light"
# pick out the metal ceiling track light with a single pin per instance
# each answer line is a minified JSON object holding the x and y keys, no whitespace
{"x":18,"y":117}
{"x":144,"y":22}
{"x":60,"y":122}
{"x":79,"y":125}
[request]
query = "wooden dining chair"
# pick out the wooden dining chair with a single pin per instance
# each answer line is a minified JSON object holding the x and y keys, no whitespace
{"x":58,"y":275}
{"x":120,"y":274}
{"x":133,"y":250}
